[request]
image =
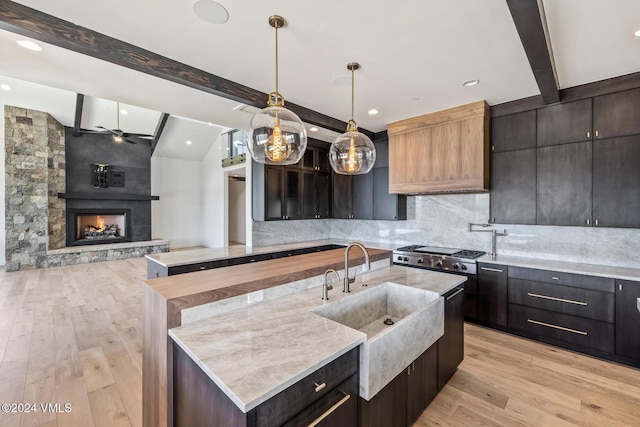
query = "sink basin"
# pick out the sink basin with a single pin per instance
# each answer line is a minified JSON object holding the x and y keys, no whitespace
{"x":417,"y":321}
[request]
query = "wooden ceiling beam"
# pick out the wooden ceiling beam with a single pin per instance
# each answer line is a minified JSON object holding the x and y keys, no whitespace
{"x":531,"y":23}
{"x":158,"y":133}
{"x":77,"y":121}
{"x":23,"y":20}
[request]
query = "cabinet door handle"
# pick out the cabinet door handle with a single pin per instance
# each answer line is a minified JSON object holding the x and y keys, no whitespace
{"x":595,"y":221}
{"x":457,"y":292}
{"x":319,"y":386}
{"x":555,"y":278}
{"x":597,"y":133}
{"x":588,"y":222}
{"x":638,"y":304}
{"x":588,"y":134}
{"x":203,"y":268}
{"x":556,"y":299}
{"x":495,"y":270}
{"x":331,"y":410}
{"x":562,"y":328}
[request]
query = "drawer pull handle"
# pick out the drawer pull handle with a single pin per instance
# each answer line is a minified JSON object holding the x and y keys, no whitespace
{"x":556,"y":299}
{"x":555,"y":278}
{"x":497,"y":270}
{"x":330,"y":410}
{"x":638,"y":305}
{"x":457,"y":292}
{"x":562,"y":328}
{"x":319,"y":386}
{"x":203,"y":268}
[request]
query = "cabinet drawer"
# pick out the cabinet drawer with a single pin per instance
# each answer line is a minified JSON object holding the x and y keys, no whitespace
{"x":300,"y":395}
{"x":587,"y":333}
{"x":248,"y":259}
{"x":563,"y":299}
{"x":337,"y":408}
{"x":595,"y":283}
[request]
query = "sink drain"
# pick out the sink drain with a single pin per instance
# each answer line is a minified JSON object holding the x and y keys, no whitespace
{"x":388,"y":321}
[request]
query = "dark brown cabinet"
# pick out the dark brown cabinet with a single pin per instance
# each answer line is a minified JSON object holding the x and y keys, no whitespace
{"x":282,"y":192}
{"x":627,"y":340}
{"x":513,"y":187}
{"x":492,"y":294}
{"x":564,"y":184}
{"x":316,"y":157}
{"x":564,"y":123}
{"x":616,"y":114}
{"x":353,"y":196}
{"x":198,"y":401}
{"x":402,"y":401}
{"x":451,"y":344}
{"x":616,"y":179}
{"x":316,"y":195}
{"x":513,"y":132}
{"x":566,"y":309}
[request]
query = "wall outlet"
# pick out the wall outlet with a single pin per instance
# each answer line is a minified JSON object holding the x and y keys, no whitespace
{"x":254,"y":297}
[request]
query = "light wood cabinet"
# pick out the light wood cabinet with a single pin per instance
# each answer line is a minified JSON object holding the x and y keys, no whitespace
{"x":447,"y":151}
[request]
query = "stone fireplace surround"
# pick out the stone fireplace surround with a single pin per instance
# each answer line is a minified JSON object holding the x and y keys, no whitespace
{"x":36,"y":172}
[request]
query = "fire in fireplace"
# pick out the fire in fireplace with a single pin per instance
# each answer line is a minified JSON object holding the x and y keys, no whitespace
{"x":92,"y":226}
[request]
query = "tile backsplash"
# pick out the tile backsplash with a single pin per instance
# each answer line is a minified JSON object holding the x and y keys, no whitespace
{"x":442,"y":220}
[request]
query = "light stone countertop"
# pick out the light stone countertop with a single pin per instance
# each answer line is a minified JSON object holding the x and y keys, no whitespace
{"x":622,"y":273}
{"x":193,"y":256}
{"x":256,"y":352}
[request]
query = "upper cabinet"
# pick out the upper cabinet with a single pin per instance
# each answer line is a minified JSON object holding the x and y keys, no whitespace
{"x":316,"y":157}
{"x":513,"y":132}
{"x":616,"y":114}
{"x":447,"y":151}
{"x":564,"y":123}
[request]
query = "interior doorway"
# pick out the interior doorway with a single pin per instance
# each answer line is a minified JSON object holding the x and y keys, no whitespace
{"x":237,"y":209}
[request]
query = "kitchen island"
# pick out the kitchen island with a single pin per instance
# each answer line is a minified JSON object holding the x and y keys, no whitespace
{"x":172,"y":301}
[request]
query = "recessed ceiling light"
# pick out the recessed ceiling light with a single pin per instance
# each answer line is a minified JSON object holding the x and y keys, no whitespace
{"x":470,"y":83}
{"x":313,"y":129}
{"x":227,"y":148}
{"x":5,"y":87}
{"x":124,"y":112}
{"x":373,"y":111}
{"x":188,"y":142}
{"x":31,"y":45}
{"x":637,"y":33}
{"x":210,"y":11}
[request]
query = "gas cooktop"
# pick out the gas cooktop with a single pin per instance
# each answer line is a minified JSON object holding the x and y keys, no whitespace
{"x":438,"y":258}
{"x":437,"y":250}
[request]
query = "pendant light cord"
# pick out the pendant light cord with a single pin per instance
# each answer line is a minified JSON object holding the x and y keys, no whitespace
{"x":352,"y":93}
{"x":277,"y":92}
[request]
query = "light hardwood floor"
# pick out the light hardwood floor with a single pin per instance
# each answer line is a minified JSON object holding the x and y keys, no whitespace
{"x":72,"y":335}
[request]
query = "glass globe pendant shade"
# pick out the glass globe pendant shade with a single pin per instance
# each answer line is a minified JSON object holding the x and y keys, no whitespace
{"x":276,"y":136}
{"x":352,"y":153}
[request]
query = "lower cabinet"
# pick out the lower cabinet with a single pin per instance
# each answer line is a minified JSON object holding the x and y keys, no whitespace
{"x":628,"y":320}
{"x":328,"y":396}
{"x":492,"y":294}
{"x":451,"y":344}
{"x":402,"y":401}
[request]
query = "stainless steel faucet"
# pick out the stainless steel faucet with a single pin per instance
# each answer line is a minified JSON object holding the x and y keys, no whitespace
{"x":347,"y":281}
{"x":326,"y":287}
{"x":494,"y":234}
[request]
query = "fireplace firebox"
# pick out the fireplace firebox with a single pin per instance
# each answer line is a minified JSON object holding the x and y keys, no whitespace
{"x":98,"y":226}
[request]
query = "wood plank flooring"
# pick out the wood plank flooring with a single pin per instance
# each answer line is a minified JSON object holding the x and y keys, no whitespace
{"x":72,"y":335}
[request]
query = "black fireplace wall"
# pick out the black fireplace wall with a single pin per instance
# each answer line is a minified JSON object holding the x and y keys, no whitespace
{"x":132,"y":159}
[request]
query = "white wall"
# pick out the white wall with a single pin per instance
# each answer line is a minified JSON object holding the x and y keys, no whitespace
{"x":177,"y":216}
{"x":213,"y":184}
{"x":237,"y":211}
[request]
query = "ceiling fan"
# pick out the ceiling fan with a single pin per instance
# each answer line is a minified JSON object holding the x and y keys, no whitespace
{"x":119,"y":135}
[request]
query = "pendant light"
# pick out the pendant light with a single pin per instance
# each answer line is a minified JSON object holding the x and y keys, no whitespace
{"x":352,"y":153}
{"x":276,"y":135}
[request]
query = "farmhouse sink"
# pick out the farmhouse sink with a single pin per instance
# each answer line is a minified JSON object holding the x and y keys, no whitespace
{"x":400,"y":322}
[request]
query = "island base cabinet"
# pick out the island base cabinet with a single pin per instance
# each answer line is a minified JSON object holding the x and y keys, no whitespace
{"x":198,"y":401}
{"x":400,"y":403}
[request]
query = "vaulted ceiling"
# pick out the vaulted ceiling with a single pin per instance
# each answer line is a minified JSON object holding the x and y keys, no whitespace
{"x":415,"y":54}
